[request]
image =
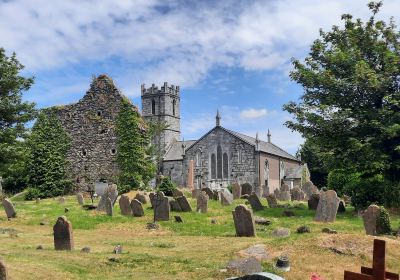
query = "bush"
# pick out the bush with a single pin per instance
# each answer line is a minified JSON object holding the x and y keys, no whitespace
{"x":392,"y":194}
{"x":32,"y":193}
{"x":383,"y":222}
{"x":342,"y":181}
{"x":167,"y":186}
{"x":365,"y":192}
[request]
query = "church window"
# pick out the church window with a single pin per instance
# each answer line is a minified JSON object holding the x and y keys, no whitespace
{"x":213,"y":169}
{"x":219,"y":162}
{"x":84,"y":152}
{"x":99,"y":113}
{"x":113,"y":151}
{"x":266,"y":173}
{"x":281,"y":170}
{"x":198,"y":157}
{"x":173,"y":107}
{"x":153,"y":107}
{"x":225,"y":165}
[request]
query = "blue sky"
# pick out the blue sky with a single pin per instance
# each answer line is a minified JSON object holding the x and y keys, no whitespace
{"x":228,"y":55}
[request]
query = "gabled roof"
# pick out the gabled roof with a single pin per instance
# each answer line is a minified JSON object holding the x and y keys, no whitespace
{"x":175,"y":150}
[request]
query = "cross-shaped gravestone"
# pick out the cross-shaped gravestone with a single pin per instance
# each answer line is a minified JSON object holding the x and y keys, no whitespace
{"x":377,"y":272}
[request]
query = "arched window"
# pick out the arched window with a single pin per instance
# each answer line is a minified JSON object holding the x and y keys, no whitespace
{"x":239,"y":150}
{"x":225,"y":165}
{"x":153,"y":107}
{"x":173,"y":107}
{"x":266,"y":173}
{"x":213,"y":174}
{"x":219,"y":162}
{"x":281,"y":170}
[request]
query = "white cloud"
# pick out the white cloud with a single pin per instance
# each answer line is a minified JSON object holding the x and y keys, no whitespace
{"x":253,"y":113}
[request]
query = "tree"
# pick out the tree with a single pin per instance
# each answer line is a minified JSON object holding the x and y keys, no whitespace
{"x":14,"y":112}
{"x":135,"y":164}
{"x":351,"y":102}
{"x":157,"y":150}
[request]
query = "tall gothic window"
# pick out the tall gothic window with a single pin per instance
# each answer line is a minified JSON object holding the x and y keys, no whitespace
{"x":213,"y":169}
{"x":266,"y":172}
{"x":281,"y":170}
{"x":225,"y":164}
{"x":153,"y":107}
{"x":219,"y":162}
{"x":198,"y":157}
{"x":173,"y":107}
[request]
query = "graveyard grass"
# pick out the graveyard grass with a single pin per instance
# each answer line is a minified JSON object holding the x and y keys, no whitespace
{"x":195,"y":249}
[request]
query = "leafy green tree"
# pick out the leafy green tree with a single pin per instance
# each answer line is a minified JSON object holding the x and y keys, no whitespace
{"x":351,"y":102}
{"x":135,"y":164}
{"x":167,"y":186}
{"x":47,"y":165}
{"x":14,"y":112}
{"x":157,"y":150}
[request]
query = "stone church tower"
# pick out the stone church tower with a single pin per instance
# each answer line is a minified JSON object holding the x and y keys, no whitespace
{"x":163,"y":105}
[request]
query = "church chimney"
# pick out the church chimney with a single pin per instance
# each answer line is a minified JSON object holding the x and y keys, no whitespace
{"x":218,"y":119}
{"x":269,"y":136}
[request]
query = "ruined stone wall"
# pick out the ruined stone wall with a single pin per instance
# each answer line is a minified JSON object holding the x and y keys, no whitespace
{"x":241,"y":160}
{"x":91,"y":124}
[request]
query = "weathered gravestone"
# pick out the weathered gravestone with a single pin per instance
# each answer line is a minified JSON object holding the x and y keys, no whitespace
{"x":370,"y":217}
{"x":125,"y":205}
{"x":297,"y":194}
{"x":244,"y":266}
{"x":195,"y":193}
{"x":137,"y":208}
{"x":61,"y":200}
{"x":161,"y":207}
{"x":202,"y":203}
{"x":177,"y":193}
{"x":226,"y":197}
{"x":255,"y":202}
{"x":184,"y":204}
{"x":208,"y":191}
{"x":272,"y":202}
{"x":110,"y":192}
{"x":236,"y":191}
{"x":3,"y":271}
{"x":282,"y":195}
{"x":247,"y":188}
{"x":313,"y":201}
{"x":63,"y":237}
{"x":109,"y":207}
{"x":9,"y":208}
{"x":215,"y":195}
{"x":244,"y":221}
{"x":142,"y":197}
{"x":284,"y":188}
{"x":152,"y":196}
{"x":309,"y":189}
{"x":79,"y":198}
{"x":327,"y":207}
{"x":174,"y":205}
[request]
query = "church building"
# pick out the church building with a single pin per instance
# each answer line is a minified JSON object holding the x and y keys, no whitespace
{"x":220,"y":157}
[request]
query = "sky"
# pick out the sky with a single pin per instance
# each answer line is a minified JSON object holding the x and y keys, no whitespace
{"x":234,"y":56}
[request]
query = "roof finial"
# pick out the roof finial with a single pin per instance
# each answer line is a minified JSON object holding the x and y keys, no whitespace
{"x":218,"y":119}
{"x":183,"y":147}
{"x":269,"y":136}
{"x":257,"y":141}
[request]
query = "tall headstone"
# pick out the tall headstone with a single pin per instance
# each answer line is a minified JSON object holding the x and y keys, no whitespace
{"x":327,"y":207}
{"x":247,"y":188}
{"x":309,"y":189}
{"x":202,"y":202}
{"x":142,"y":197}
{"x":125,"y":205}
{"x":109,"y":207}
{"x":110,"y":192}
{"x":237,"y":191}
{"x":208,"y":191}
{"x":79,"y":198}
{"x":161,"y":207}
{"x":313,"y":201}
{"x":369,"y":217}
{"x":9,"y":208}
{"x":244,"y":221}
{"x":255,"y":202}
{"x":152,"y":197}
{"x":297,"y":194}
{"x":3,"y":271}
{"x":63,"y":237}
{"x":272,"y":202}
{"x":184,"y":204}
{"x":195,"y":193}
{"x":190,"y":182}
{"x":226,"y":197}
{"x":137,"y":208}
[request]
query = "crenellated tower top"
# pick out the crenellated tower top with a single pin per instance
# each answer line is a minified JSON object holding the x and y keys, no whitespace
{"x":165,"y":89}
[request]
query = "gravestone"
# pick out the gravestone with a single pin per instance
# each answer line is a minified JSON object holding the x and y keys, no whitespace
{"x":226,"y":197}
{"x":215,"y":195}
{"x":125,"y":205}
{"x":202,"y":202}
{"x":281,"y":232}
{"x":247,"y":188}
{"x":109,"y":207}
{"x":195,"y":193}
{"x":236,"y":191}
{"x":285,"y":188}
{"x":244,"y":266}
{"x":282,"y":195}
{"x":313,"y":201}
{"x":369,"y":218}
{"x":61,"y":200}
{"x":184,"y":204}
{"x":272,"y":202}
{"x":137,"y":208}
{"x":327,"y":207}
{"x":152,"y":196}
{"x":161,"y":207}
{"x":110,"y":192}
{"x":244,"y":221}
{"x":177,"y":193}
{"x":142,"y":197}
{"x":297,"y":194}
{"x":174,"y":205}
{"x":309,"y":189}
{"x":255,"y":202}
{"x":190,"y":177}
{"x":3,"y":271}
{"x":79,"y":198}
{"x":63,"y":237}
{"x":9,"y":208}
{"x":342,"y":206}
{"x":208,"y":191}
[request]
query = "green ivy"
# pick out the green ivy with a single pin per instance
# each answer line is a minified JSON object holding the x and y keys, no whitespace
{"x":167,"y":186}
{"x":136,"y":168}
{"x":47,"y":165}
{"x":383,"y":222}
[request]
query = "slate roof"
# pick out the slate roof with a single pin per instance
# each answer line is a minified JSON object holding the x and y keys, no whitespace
{"x":175,"y":151}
